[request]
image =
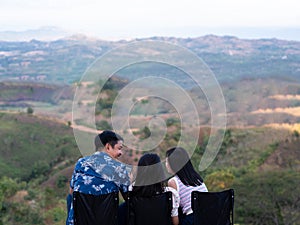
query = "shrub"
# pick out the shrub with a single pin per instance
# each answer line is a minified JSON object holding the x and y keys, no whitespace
{"x":30,"y":110}
{"x":103,"y":125}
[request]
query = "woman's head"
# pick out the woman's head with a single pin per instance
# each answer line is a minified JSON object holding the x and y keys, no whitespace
{"x":150,"y":175}
{"x":149,"y":159}
{"x":149,"y":170}
{"x":179,"y":163}
{"x":177,"y":158}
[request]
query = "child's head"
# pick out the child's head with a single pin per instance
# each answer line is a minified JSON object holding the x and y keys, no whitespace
{"x":177,"y":158}
{"x":149,"y":159}
{"x":178,"y":162}
{"x":150,"y":175}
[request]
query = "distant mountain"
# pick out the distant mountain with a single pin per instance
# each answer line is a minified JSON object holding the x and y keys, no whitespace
{"x":43,"y":34}
{"x":230,"y":58}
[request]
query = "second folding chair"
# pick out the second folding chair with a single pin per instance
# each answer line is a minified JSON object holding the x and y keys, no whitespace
{"x":155,"y":210}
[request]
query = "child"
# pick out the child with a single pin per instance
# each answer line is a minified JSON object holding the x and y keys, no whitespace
{"x":185,"y":181}
{"x":150,"y":180}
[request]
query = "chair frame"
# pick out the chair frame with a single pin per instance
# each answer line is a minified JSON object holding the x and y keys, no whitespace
{"x":149,"y":207}
{"x":95,"y":209}
{"x":203,"y":207}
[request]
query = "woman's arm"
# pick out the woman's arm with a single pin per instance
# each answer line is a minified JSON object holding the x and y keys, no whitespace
{"x":172,"y":184}
{"x":175,"y":220}
{"x":175,"y":205}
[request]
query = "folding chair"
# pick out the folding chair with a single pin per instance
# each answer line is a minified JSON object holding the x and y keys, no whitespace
{"x":154,"y":210}
{"x":95,"y":209}
{"x":213,"y":208}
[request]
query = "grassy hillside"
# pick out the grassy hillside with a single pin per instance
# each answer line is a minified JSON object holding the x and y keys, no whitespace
{"x":37,"y":157}
{"x":34,"y":153}
{"x":262,"y":165}
{"x":249,"y":102}
{"x":259,"y":156}
{"x":31,"y":146}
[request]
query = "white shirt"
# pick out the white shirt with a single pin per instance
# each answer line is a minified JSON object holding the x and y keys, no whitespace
{"x":175,"y":200}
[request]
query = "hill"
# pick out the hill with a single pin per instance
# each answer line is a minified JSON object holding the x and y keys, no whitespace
{"x":32,"y":146}
{"x":43,"y":33}
{"x":38,"y":155}
{"x":230,"y":58}
{"x":256,"y":102}
{"x":14,"y":92}
{"x":249,"y":102}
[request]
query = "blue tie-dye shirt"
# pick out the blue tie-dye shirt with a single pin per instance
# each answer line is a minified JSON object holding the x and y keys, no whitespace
{"x":98,"y":174}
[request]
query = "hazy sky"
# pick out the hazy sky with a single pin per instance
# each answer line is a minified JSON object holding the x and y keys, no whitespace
{"x":138,"y":18}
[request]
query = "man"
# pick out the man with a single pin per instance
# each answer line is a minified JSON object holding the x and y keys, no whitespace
{"x":100,"y":173}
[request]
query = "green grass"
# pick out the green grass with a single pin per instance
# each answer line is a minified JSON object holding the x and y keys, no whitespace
{"x":26,"y":140}
{"x":38,"y":150}
{"x":248,"y":145}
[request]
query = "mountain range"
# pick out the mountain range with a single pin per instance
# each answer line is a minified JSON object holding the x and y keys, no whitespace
{"x":230,"y":58}
{"x":46,"y":33}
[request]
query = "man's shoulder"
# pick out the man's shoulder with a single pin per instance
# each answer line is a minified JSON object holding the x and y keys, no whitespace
{"x":80,"y":160}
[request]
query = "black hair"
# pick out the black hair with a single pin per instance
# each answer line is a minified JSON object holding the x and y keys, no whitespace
{"x":150,"y":176}
{"x":105,"y":137}
{"x":179,"y":161}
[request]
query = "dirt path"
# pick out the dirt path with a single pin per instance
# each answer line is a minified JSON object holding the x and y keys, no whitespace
{"x":85,"y":129}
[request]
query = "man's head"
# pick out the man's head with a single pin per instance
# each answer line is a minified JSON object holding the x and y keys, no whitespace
{"x":111,"y":142}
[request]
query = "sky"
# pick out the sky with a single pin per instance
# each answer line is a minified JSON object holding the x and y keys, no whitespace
{"x":140,"y":18}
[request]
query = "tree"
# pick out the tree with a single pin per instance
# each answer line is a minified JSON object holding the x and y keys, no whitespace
{"x":30,"y":110}
{"x":146,"y":133}
{"x":61,"y":181}
{"x":268,"y":198}
{"x":219,"y":180}
{"x":8,"y":187}
{"x":40,"y":168}
{"x":103,"y":125}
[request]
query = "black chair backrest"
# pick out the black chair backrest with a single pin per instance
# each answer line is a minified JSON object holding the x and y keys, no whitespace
{"x":213,"y":208}
{"x":95,"y":209}
{"x":155,"y":210}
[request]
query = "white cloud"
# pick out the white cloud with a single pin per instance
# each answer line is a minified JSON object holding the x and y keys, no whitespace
{"x":134,"y":15}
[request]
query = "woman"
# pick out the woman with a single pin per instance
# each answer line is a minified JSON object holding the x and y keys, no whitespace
{"x":150,"y":180}
{"x":185,"y":181}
